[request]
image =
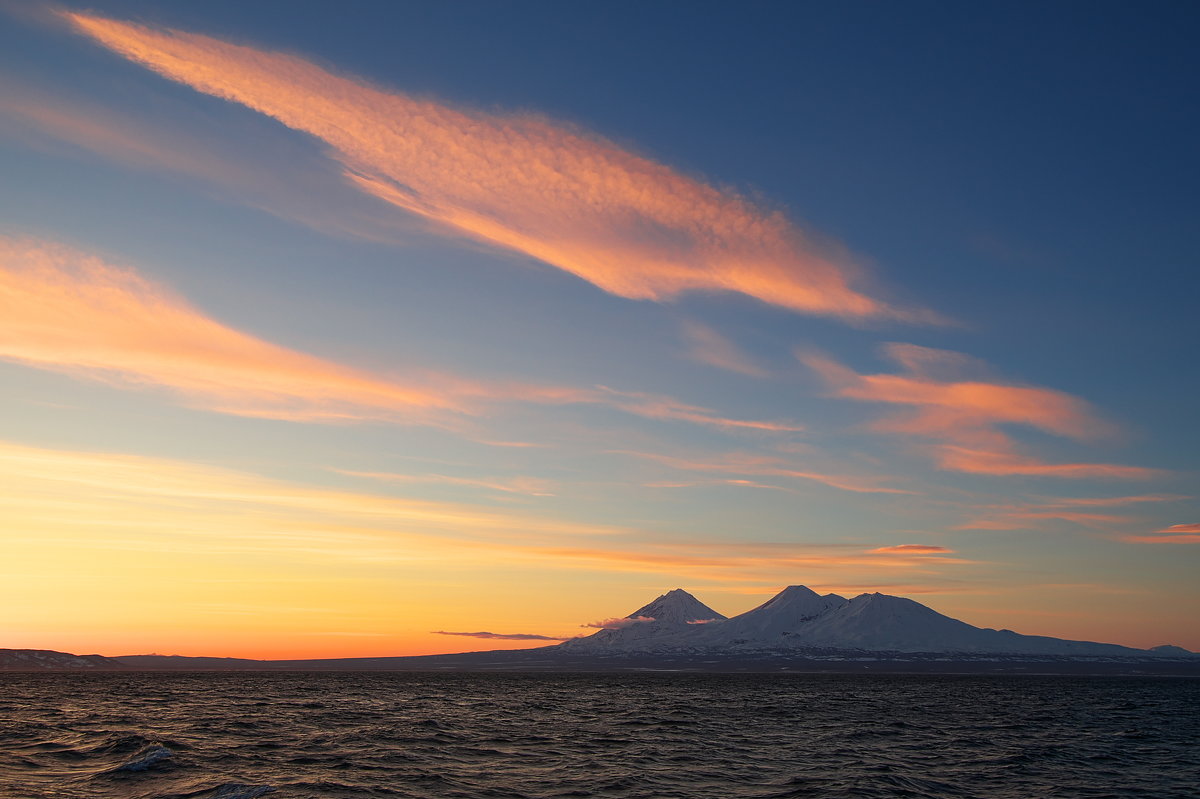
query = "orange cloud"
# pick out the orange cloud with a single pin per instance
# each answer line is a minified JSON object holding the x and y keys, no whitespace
{"x":64,"y":310}
{"x":957,"y":409}
{"x":632,"y":227}
{"x":911,"y":549}
{"x":710,"y":347}
{"x":1175,"y":534}
{"x":68,"y":311}
{"x":967,"y":413}
{"x":1176,"y":529}
{"x":765,"y":466}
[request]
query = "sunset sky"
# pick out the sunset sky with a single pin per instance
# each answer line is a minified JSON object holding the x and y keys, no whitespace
{"x":328,"y":329}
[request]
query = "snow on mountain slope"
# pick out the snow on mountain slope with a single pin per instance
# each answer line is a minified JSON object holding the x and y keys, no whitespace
{"x":878,"y":622}
{"x":673,"y":614}
{"x":798,"y":618}
{"x":773,"y":623}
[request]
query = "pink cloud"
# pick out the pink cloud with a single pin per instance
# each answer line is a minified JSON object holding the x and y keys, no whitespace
{"x":1175,"y":534}
{"x":1175,"y":529}
{"x":966,"y":415}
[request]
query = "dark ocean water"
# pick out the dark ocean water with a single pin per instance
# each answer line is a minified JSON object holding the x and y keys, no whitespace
{"x":702,"y":736}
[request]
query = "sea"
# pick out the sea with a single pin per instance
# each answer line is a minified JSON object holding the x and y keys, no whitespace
{"x":223,"y":735}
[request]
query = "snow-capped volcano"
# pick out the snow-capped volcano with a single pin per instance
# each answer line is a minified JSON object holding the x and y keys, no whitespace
{"x":799,"y":618}
{"x":672,"y":614}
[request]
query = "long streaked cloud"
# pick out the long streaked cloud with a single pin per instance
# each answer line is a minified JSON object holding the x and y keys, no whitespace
{"x":505,"y":636}
{"x":530,"y":486}
{"x":1032,"y":520}
{"x":991,"y":462}
{"x":109,"y":505}
{"x":721,"y":564}
{"x":1078,"y":510}
{"x":762,"y":466}
{"x":524,"y":183}
{"x":70,"y":311}
{"x":965,"y":414}
{"x":53,"y":491}
{"x":1105,"y":502}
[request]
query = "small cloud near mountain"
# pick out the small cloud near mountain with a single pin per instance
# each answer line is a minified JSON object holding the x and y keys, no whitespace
{"x":618,"y":623}
{"x":504,"y":636}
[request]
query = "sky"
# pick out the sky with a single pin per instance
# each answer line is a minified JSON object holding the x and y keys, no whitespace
{"x":399,"y":328}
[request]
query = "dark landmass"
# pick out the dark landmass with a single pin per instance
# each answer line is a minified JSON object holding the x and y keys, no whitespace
{"x":548,"y":660}
{"x":49,"y":660}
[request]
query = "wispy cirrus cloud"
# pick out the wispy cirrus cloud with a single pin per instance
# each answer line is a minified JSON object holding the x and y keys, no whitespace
{"x":284,"y":181}
{"x":1104,"y":502}
{"x":763,"y":466}
{"x":982,"y":461}
{"x":69,"y":311}
{"x":708,"y":346}
{"x":524,"y":183}
{"x":1078,"y":510}
{"x":725,"y":562}
{"x":650,"y":406}
{"x":54,"y":492}
{"x":911,"y":549}
{"x":72,"y":312}
{"x":1174,"y":534}
{"x":505,"y":636}
{"x":965,"y":415}
{"x":1032,"y":520}
{"x":530,"y":486}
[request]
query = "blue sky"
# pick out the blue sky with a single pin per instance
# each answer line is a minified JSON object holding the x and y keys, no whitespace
{"x":902,"y":300}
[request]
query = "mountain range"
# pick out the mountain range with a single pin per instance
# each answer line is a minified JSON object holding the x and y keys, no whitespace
{"x":799,"y":619}
{"x":796,"y":629}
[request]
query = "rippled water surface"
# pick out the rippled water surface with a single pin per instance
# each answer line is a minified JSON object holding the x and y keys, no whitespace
{"x":238,"y":736}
